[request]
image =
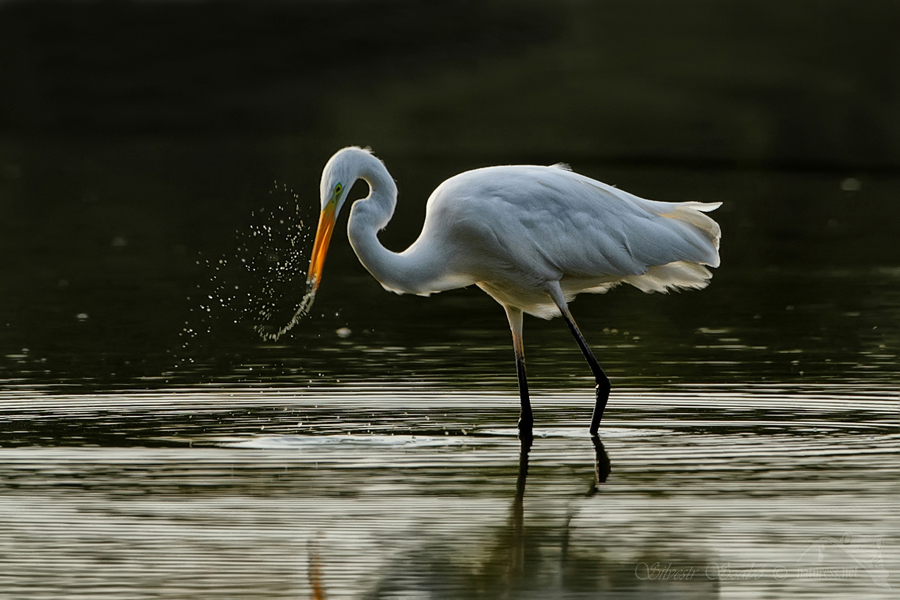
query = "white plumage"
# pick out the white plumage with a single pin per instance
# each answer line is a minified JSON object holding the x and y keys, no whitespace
{"x":514,"y":230}
{"x":532,"y":237}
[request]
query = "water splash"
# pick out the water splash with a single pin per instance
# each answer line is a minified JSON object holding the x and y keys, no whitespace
{"x":269,"y":333}
{"x":255,"y":283}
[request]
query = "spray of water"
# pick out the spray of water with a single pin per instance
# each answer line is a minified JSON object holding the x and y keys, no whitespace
{"x":257,"y":282}
{"x":267,"y":332}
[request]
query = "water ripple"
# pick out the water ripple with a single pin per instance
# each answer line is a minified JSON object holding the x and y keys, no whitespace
{"x":373,"y":492}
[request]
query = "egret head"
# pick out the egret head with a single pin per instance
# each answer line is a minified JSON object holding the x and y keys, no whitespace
{"x":338,"y":176}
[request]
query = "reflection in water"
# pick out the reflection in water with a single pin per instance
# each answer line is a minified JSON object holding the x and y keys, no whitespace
{"x":602,"y":466}
{"x":518,"y":559}
{"x":244,"y":493}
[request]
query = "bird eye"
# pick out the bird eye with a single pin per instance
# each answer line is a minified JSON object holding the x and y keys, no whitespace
{"x":337,"y":189}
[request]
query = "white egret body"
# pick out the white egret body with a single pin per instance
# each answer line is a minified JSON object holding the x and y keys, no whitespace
{"x":532,"y":237}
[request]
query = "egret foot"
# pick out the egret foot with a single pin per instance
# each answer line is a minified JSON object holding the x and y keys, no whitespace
{"x":602,"y":466}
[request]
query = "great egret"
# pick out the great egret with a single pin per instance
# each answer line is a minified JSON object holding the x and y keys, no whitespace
{"x":531,"y":237}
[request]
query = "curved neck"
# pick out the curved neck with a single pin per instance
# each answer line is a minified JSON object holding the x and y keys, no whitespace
{"x":378,"y":206}
{"x":416,"y":270}
{"x":370,"y":215}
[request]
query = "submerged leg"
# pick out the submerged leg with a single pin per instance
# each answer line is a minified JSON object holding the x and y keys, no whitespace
{"x":526,"y":420}
{"x":602,"y":466}
{"x":603,"y":385}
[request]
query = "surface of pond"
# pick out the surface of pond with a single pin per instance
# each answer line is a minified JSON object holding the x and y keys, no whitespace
{"x":151,"y":446}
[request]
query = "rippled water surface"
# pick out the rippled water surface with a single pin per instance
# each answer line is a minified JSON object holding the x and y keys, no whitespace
{"x":739,"y":491}
{"x":152,"y":446}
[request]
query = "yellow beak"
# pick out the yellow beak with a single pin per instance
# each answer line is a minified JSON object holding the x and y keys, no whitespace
{"x":320,"y":247}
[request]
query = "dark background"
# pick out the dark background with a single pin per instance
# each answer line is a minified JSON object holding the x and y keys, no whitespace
{"x":811,"y":83}
{"x":140,"y":142}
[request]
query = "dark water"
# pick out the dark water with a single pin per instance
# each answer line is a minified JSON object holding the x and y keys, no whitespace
{"x":159,"y":167}
{"x":151,"y":446}
{"x":412,"y":492}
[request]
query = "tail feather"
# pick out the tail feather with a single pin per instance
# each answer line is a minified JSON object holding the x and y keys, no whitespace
{"x":696,"y":243}
{"x":692,"y":214}
{"x":683,"y":274}
{"x":662,"y":278}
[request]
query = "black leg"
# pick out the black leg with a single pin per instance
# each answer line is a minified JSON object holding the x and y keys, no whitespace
{"x":526,"y":419}
{"x":603,"y":386}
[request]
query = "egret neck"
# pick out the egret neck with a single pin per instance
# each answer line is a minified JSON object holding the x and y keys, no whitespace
{"x":413,"y":271}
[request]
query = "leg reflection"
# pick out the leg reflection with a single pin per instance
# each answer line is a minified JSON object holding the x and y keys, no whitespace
{"x":510,"y":558}
{"x":602,"y":466}
{"x":525,"y":442}
{"x":516,"y":543}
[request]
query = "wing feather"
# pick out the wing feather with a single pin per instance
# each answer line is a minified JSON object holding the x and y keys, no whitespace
{"x":540,"y":224}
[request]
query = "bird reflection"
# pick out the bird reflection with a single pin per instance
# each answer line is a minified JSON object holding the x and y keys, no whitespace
{"x":509,"y":556}
{"x":507,"y":568}
{"x":518,"y":558}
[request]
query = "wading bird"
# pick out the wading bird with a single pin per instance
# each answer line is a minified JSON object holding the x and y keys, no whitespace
{"x":531,"y":237}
